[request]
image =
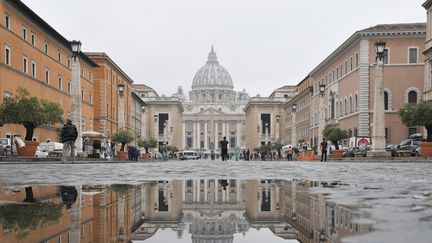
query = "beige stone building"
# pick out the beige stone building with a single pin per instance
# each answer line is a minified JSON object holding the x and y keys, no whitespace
{"x":428,"y":52}
{"x":349,"y":74}
{"x":263,"y":121}
{"x":297,"y":116}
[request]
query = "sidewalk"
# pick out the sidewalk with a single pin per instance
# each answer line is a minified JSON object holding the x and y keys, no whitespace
{"x":51,"y":160}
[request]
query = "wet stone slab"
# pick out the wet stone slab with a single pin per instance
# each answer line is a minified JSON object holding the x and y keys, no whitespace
{"x":395,"y":198}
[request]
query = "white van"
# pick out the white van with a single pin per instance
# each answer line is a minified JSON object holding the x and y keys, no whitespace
{"x":187,"y":155}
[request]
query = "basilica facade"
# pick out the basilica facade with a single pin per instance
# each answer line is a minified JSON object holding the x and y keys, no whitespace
{"x":214,"y":110}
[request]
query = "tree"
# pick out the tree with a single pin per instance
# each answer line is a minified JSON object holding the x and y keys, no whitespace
{"x":148,"y":143}
{"x":123,"y":137}
{"x":30,"y":112}
{"x":30,"y":216}
{"x":419,"y":114}
{"x":334,"y":134}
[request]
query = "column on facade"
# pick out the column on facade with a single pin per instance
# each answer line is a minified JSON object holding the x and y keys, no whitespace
{"x":216,"y":135}
{"x":205,"y":189}
{"x":183,"y":143}
{"x":193,"y":190}
{"x":198,"y":190}
{"x":227,"y":193}
{"x":76,"y":217}
{"x":193,"y":134}
{"x":155,"y":130}
{"x":223,"y":129}
{"x":205,"y":135}
{"x":216,"y":189}
{"x":238,"y":133}
{"x":238,"y":191}
{"x":198,"y":134}
{"x":227,"y":127}
{"x":184,"y":191}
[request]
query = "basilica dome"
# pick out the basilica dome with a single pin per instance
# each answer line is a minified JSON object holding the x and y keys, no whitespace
{"x":212,"y":75}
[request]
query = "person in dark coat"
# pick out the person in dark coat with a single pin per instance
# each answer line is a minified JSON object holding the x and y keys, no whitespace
{"x":68,"y":136}
{"x":69,"y":195}
{"x":224,"y":149}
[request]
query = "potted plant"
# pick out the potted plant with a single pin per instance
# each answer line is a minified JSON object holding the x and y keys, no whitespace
{"x":31,"y":113}
{"x":334,"y":134}
{"x":147,"y":144}
{"x":123,"y":137}
{"x":420,"y":114}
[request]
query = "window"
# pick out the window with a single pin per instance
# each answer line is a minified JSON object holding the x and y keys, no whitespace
{"x":25,"y":64}
{"x":60,"y":83}
{"x":46,"y":48}
{"x":346,"y":67}
{"x":82,"y":93}
{"x":59,"y":239}
{"x":386,"y":101}
{"x":7,"y":55}
{"x":351,"y":104}
{"x":337,"y":73}
{"x":413,"y":55}
{"x":24,"y":33}
{"x":7,"y":21}
{"x":386,"y":56}
{"x":91,"y":98}
{"x":69,"y":87}
{"x":351,"y":64}
{"x":357,"y":60}
{"x":47,"y":76}
{"x":356,"y":102}
{"x":59,"y":56}
{"x":412,"y":97}
{"x":33,"y":39}
{"x":33,"y":69}
{"x":68,"y":63}
{"x":346,"y":106}
{"x":387,"y":134}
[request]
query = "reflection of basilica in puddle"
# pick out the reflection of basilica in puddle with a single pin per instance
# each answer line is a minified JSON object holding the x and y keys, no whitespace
{"x":198,"y":211}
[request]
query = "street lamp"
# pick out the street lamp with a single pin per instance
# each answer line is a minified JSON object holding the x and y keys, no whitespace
{"x":322,"y":89}
{"x":322,"y":236}
{"x":321,"y":116}
{"x":294,"y":126}
{"x":378,"y":129}
{"x":121,"y":89}
{"x":76,"y":47}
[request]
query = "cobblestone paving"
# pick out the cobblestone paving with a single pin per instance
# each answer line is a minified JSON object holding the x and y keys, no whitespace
{"x":397,"y":196}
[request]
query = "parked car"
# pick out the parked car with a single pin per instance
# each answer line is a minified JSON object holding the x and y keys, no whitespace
{"x":187,"y":155}
{"x":40,"y":154}
{"x":411,"y":143}
{"x":418,"y":151}
{"x":357,"y":151}
{"x":7,"y":147}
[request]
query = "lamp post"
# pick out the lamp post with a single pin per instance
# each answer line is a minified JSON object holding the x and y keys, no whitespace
{"x":266,"y":133}
{"x":121,"y":117}
{"x":321,"y":115}
{"x":322,"y":236}
{"x":294,"y":126}
{"x":76,"y":93}
{"x":378,"y":130}
{"x":258,"y":137}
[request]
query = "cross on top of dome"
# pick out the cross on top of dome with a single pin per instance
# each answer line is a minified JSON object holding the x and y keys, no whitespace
{"x":212,"y":56}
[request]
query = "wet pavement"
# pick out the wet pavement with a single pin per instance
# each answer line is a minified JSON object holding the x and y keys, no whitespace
{"x":388,"y":202}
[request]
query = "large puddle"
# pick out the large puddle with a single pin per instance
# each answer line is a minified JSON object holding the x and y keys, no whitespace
{"x":214,"y":211}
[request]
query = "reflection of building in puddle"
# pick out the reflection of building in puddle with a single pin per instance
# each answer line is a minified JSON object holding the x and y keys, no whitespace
{"x":208,"y":209}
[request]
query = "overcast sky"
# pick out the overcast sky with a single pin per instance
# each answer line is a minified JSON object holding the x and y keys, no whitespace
{"x":264,"y":44}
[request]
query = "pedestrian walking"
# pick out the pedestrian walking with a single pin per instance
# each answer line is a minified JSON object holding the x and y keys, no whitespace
{"x":290,"y":152}
{"x":324,"y":150}
{"x":68,"y":136}
{"x":247,"y":155}
{"x":224,"y":149}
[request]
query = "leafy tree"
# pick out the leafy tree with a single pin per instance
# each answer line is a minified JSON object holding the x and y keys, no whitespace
{"x":123,"y":137}
{"x":148,"y":143}
{"x":419,"y":114}
{"x":30,"y":216}
{"x":30,"y":112}
{"x":334,"y":134}
{"x":122,"y":189}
